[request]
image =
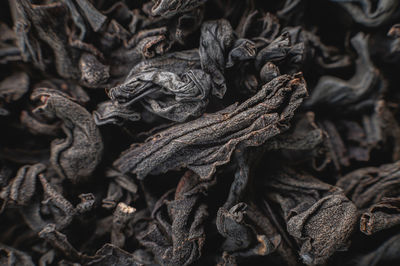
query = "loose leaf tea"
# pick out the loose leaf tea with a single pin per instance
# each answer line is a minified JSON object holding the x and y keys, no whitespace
{"x":199,"y":132}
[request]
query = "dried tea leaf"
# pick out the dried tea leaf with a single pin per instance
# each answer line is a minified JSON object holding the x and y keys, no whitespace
{"x":182,"y":90}
{"x":93,"y":72}
{"x":375,"y":192}
{"x":23,"y":186}
{"x":73,"y":90}
{"x":60,"y":241}
{"x":317,"y":215}
{"x":168,"y":8}
{"x":242,"y":240}
{"x":174,"y":95}
{"x":36,"y":125}
{"x":247,"y":232}
{"x":110,"y":113}
{"x":359,"y":184}
{"x":380,"y":216}
{"x":203,"y":144}
{"x":181,"y":240}
{"x":216,"y":38}
{"x":77,"y":155}
{"x":356,"y":93}
{"x":188,"y":92}
{"x":42,"y":23}
{"x":122,"y":214}
{"x":92,"y":15}
{"x":370,"y":13}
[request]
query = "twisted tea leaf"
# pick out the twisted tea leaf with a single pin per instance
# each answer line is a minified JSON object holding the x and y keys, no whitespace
{"x":180,"y":241}
{"x":277,"y":50}
{"x":92,"y":15}
{"x":219,"y":49}
{"x":215,"y":40}
{"x":359,"y":184}
{"x":54,"y":209}
{"x":239,"y":229}
{"x":76,"y":92}
{"x":60,"y":241}
{"x":356,"y":93}
{"x":357,"y":140}
{"x":170,"y":8}
{"x":122,"y":214}
{"x":375,"y":191}
{"x":36,"y":125}
{"x":203,"y":144}
{"x":174,"y":86}
{"x":77,"y":155}
{"x":380,"y":216}
{"x":247,"y":232}
{"x":370,"y":13}
{"x":174,"y":95}
{"x":110,"y":113}
{"x":23,"y":186}
{"x":317,"y":215}
{"x":189,"y":92}
{"x":121,"y":186}
{"x":93,"y":73}
{"x":46,"y":20}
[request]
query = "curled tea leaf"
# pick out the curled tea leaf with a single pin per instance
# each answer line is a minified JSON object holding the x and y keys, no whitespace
{"x":370,"y":13}
{"x":23,"y":186}
{"x":319,"y":216}
{"x":110,"y":113}
{"x":78,"y":155}
{"x":350,"y":95}
{"x":375,"y":192}
{"x":170,"y":8}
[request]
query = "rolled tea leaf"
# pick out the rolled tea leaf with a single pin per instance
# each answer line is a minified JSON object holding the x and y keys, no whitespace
{"x":205,"y":143}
